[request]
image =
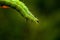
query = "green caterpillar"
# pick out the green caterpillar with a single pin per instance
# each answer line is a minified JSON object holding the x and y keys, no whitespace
{"x":20,"y":7}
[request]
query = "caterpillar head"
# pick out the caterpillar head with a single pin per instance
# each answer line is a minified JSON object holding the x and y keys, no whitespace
{"x":36,"y":20}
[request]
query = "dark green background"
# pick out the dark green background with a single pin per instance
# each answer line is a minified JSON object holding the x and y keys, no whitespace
{"x":14,"y":27}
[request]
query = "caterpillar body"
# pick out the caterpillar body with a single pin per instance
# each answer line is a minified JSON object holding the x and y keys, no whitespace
{"x":20,"y":7}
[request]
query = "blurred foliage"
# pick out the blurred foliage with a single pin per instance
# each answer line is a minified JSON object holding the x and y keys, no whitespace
{"x":14,"y":27}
